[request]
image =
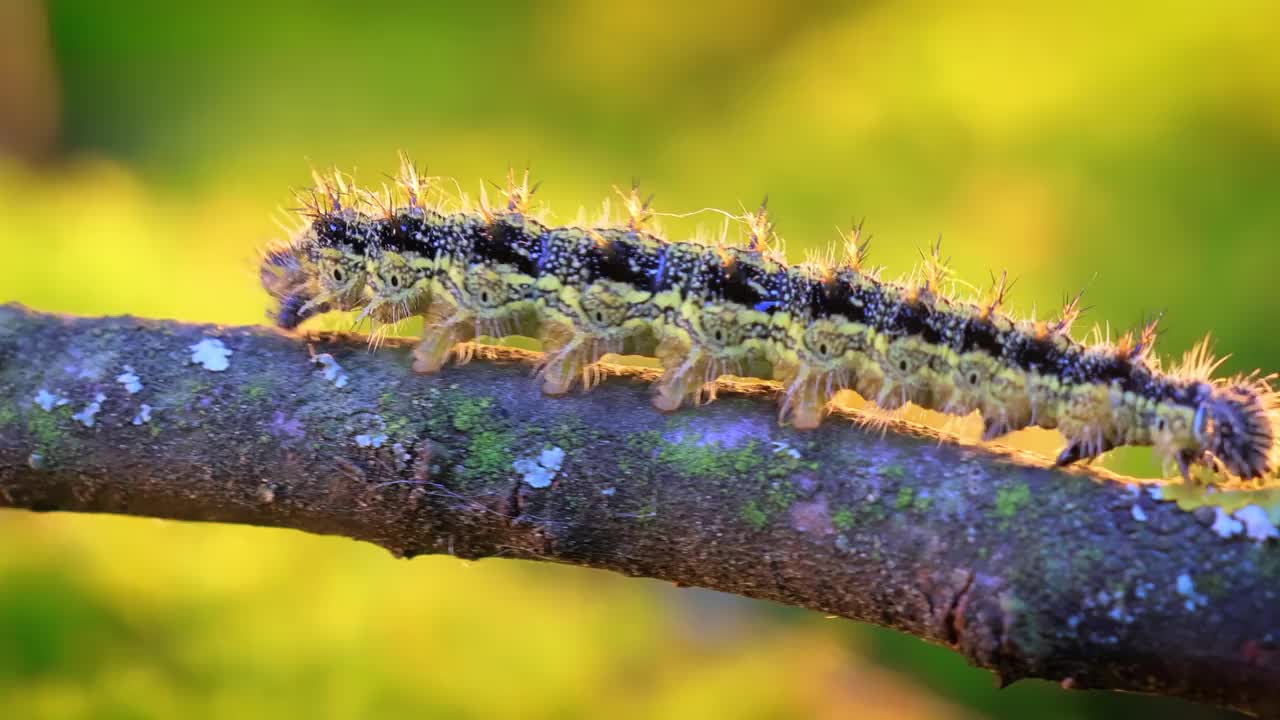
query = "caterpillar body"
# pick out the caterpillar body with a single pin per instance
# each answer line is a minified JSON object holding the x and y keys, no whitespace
{"x":710,"y":309}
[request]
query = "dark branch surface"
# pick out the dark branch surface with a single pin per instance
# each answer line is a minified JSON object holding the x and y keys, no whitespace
{"x":1026,"y":570}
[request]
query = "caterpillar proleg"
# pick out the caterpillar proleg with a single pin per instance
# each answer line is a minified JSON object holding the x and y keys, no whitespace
{"x":708,"y":309}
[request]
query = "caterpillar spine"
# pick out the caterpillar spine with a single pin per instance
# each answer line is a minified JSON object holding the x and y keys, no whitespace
{"x":708,"y":309}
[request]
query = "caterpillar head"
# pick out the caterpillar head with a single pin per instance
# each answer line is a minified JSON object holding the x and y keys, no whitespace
{"x":1237,"y":424}
{"x":340,"y":275}
{"x":284,"y":275}
{"x":399,"y":286}
{"x":337,"y":246}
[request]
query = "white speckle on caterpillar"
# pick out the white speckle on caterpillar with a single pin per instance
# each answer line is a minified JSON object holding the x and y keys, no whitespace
{"x":1138,"y":513}
{"x":211,"y":355}
{"x":143,"y":415}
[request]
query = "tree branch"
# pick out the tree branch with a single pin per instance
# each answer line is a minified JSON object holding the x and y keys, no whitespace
{"x":1027,"y":570}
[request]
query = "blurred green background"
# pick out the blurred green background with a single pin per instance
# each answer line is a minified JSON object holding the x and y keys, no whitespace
{"x":145,"y":148}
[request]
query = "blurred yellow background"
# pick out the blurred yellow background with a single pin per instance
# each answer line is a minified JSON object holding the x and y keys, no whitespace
{"x":145,"y":148}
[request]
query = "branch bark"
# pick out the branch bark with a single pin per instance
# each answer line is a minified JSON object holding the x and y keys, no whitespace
{"x":1027,"y":570}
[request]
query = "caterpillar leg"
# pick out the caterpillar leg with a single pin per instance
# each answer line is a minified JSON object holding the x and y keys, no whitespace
{"x":806,"y":402}
{"x":908,"y":377}
{"x":688,"y":374}
{"x":1173,"y":439}
{"x":574,"y":350}
{"x":701,"y":342}
{"x":447,"y":331}
{"x":808,"y":393}
{"x":1082,"y":450}
{"x":827,"y":357}
{"x":679,"y":365}
{"x":566,"y":359}
{"x":1185,"y":458}
{"x":1004,"y":404}
{"x":579,"y":328}
{"x":1084,"y":417}
{"x":995,"y":425}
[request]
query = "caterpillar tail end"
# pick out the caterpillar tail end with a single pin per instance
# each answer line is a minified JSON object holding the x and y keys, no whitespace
{"x":286,"y":279}
{"x":1238,"y":423}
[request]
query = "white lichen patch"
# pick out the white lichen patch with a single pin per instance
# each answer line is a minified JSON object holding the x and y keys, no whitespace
{"x":1251,"y":521}
{"x":1225,"y":525}
{"x":551,"y":458}
{"x":784,"y":447}
{"x":331,"y":370}
{"x":143,"y":416}
{"x":371,"y":440}
{"x":1257,"y":524}
{"x":539,"y":473}
{"x":131,"y":382}
{"x":1187,"y":589}
{"x":47,"y":401}
{"x":533,"y":474}
{"x":211,"y":355}
{"x":86,"y":416}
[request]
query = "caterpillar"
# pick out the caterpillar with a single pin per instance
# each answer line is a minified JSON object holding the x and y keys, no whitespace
{"x":705,"y":309}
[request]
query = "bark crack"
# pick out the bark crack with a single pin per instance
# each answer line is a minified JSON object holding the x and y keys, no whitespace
{"x":953,"y":622}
